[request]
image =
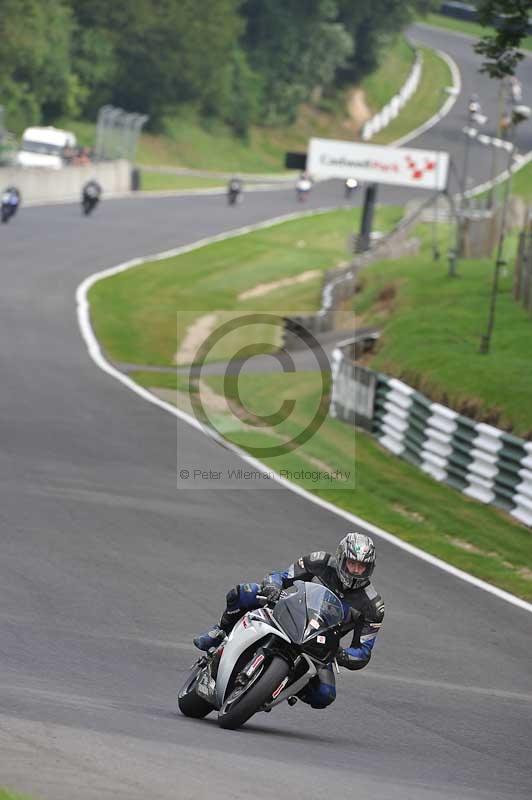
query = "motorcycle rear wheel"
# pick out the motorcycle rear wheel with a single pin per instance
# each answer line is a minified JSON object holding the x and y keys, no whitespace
{"x":189,"y":703}
{"x":236,"y":712}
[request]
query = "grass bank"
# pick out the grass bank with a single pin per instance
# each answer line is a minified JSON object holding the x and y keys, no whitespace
{"x":137,"y":314}
{"x":424,"y":103}
{"x":392,"y":73}
{"x":152,"y":181}
{"x":7,"y":795}
{"x":522,"y":183}
{"x":463,"y":26}
{"x":431,"y":328}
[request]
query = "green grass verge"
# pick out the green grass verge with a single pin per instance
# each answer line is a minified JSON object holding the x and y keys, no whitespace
{"x":424,"y":103}
{"x":463,"y":26}
{"x":6,"y":795}
{"x":386,"y":490}
{"x":161,"y":181}
{"x":431,"y":327}
{"x":136,"y":313}
{"x":386,"y":81}
{"x":522,"y":183}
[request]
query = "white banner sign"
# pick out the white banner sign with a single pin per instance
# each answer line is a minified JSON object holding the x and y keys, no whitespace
{"x":400,"y":166}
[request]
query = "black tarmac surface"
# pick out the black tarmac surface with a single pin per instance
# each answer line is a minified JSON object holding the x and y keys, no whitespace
{"x":107,"y":571}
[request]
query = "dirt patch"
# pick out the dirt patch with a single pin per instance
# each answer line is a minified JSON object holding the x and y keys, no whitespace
{"x":406,"y":512}
{"x":387,"y":294}
{"x":523,"y":572}
{"x":265,"y":288}
{"x":194,"y":338}
{"x":467,"y":546}
{"x":357,"y":107}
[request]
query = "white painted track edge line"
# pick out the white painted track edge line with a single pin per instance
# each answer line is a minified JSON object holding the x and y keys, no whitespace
{"x":94,"y":351}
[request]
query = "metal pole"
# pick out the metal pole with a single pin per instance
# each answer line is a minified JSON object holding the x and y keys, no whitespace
{"x":367,"y":218}
{"x":500,"y":108}
{"x":485,"y":339}
{"x":435,"y":244}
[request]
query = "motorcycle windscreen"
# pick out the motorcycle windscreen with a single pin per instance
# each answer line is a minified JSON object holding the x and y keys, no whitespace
{"x":324,"y":610}
{"x":307,"y":610}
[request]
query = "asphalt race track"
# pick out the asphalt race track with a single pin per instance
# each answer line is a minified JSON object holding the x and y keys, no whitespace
{"x":106,"y":571}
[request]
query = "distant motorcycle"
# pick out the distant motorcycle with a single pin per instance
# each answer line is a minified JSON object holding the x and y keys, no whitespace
{"x":303,"y":187}
{"x":270,"y":655}
{"x":349,"y":187}
{"x":10,"y":203}
{"x":90,"y":196}
{"x":234,"y":191}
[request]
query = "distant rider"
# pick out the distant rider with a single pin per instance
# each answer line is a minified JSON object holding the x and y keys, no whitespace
{"x":349,"y":187}
{"x":234,"y":189}
{"x":303,"y":186}
{"x":10,"y":202}
{"x":91,"y":194}
{"x":347,"y":574}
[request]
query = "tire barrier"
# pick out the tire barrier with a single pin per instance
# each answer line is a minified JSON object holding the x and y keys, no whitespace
{"x":481,"y":461}
{"x":391,"y":110}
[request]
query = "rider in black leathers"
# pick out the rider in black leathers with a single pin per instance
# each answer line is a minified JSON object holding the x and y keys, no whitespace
{"x":10,"y":202}
{"x":347,"y":574}
{"x":90,"y":195}
{"x":234,"y":190}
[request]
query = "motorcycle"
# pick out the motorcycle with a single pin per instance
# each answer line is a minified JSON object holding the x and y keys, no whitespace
{"x":349,"y":187}
{"x":10,"y":204}
{"x":270,"y":655}
{"x":90,"y":197}
{"x":303,"y":187}
{"x":234,"y":191}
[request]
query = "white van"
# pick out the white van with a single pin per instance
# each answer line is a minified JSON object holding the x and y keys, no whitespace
{"x":43,"y":147}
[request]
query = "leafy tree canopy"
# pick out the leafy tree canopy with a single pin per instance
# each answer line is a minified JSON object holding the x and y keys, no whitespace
{"x":510,"y":20}
{"x":239,"y":60}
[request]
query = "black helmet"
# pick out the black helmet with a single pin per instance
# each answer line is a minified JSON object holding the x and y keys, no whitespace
{"x":355,"y":547}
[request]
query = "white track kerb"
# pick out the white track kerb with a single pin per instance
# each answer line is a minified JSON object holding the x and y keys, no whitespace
{"x":83,"y":313}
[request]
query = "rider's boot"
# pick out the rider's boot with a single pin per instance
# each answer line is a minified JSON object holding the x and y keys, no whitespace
{"x":212,"y":638}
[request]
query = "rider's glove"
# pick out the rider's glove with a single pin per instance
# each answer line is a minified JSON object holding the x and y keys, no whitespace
{"x":342,"y":658}
{"x":269,"y":592}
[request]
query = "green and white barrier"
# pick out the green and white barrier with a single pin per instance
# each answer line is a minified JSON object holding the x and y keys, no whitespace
{"x":479,"y":460}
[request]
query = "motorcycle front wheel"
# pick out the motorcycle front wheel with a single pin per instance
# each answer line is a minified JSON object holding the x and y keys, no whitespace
{"x":189,"y":703}
{"x":245,"y":701}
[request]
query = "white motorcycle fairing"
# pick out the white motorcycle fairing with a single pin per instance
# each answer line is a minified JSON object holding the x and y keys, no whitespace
{"x":253,"y":627}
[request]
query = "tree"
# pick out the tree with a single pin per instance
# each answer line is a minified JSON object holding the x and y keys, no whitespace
{"x":293,"y":46}
{"x":510,"y":20}
{"x":35,"y":68}
{"x":372,"y":25}
{"x":160,"y":53}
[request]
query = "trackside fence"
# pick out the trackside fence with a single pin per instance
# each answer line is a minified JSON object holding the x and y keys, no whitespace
{"x":480,"y":461}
